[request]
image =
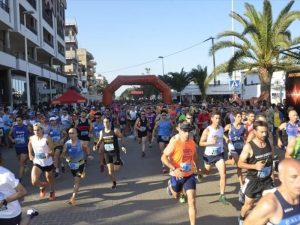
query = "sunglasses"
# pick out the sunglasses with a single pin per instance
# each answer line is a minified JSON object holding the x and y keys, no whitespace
{"x":185,"y":130}
{"x":71,"y":133}
{"x":163,"y":115}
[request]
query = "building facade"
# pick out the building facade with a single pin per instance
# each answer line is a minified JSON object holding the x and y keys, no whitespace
{"x":44,"y":35}
{"x":87,"y":61}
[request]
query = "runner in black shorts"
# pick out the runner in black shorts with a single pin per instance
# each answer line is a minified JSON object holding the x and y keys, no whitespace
{"x":257,"y":158}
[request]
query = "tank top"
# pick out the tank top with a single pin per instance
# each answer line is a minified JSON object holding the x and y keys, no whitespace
{"x":142,"y":125}
{"x":21,"y":135}
{"x":75,"y":153}
{"x":83,"y":129}
{"x":164,"y":128}
{"x":183,"y":156}
{"x":151,"y":119}
{"x":217,"y":148}
{"x":97,"y":128}
{"x":65,"y":121}
{"x":290,"y":213}
{"x":260,"y":154}
{"x":110,"y":141}
{"x":291,"y":129}
{"x":55,"y":134}
{"x":41,"y":149}
{"x":236,"y":136}
{"x":249,"y":128}
{"x":122,"y":117}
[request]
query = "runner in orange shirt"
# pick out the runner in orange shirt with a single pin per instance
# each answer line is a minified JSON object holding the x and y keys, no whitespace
{"x":181,"y":157}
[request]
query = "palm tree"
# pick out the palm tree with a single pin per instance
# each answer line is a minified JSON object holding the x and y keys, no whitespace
{"x":177,"y":81}
{"x":259,"y":44}
{"x":199,"y":75}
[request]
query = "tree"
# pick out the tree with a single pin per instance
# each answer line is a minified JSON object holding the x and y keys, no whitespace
{"x":199,"y":75}
{"x":177,"y":81}
{"x":258,"y":46}
{"x":101,"y":84}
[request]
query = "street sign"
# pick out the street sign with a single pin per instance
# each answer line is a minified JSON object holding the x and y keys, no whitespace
{"x":234,"y":84}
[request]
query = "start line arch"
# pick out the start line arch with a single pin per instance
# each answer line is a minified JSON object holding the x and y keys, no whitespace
{"x":136,"y":80}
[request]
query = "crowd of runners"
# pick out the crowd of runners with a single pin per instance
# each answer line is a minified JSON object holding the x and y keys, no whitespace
{"x":251,"y":137}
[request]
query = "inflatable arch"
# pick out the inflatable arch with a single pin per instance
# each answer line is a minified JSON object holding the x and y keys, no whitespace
{"x":136,"y":80}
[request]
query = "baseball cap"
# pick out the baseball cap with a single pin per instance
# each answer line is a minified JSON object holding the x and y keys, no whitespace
{"x":52,"y":118}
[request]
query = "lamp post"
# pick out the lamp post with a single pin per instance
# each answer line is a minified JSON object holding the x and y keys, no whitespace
{"x":162,"y":63}
{"x":25,"y":13}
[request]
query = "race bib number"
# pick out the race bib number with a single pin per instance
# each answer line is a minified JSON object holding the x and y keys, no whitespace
{"x":40,"y":155}
{"x":56,"y":139}
{"x":238,"y":145}
{"x":216,"y":151}
{"x":74,"y":165}
{"x":186,"y":167}
{"x":19,"y":140}
{"x":109,"y":147}
{"x":265,"y":172}
{"x":165,"y":138}
{"x":84,"y":133}
{"x":142,"y":129}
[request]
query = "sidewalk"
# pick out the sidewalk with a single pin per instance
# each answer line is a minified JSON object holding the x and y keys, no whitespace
{"x":140,"y":197}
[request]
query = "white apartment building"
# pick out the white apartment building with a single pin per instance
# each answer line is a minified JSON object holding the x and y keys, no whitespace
{"x":74,"y":70}
{"x":45,"y":20}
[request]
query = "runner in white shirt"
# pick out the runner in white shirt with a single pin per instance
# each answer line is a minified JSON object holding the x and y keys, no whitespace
{"x":40,"y":152}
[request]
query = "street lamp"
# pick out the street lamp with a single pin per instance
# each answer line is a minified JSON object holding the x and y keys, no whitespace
{"x":25,"y":13}
{"x":163,"y":64}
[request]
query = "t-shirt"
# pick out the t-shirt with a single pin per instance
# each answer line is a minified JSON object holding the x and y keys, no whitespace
{"x":8,"y":183}
{"x":181,"y":155}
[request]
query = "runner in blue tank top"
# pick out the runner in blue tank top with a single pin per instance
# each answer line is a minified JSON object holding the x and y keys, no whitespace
{"x":164,"y":128}
{"x":281,"y":207}
{"x":19,"y":135}
{"x":74,"y":151}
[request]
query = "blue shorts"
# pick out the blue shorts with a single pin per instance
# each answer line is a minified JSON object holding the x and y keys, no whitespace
{"x":161,"y":138}
{"x":188,"y":183}
{"x":20,"y":151}
{"x":212,"y":159}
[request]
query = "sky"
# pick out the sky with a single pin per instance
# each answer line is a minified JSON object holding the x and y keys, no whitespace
{"x":127,"y":36}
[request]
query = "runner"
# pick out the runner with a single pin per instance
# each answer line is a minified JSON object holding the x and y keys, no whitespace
{"x":74,"y":151}
{"x":109,"y":141}
{"x":151,"y":116}
{"x":66,"y":120}
{"x":180,"y":156}
{"x":84,"y":128}
{"x":212,"y":140}
{"x":58,"y":135}
{"x":11,"y":190}
{"x":142,"y":125}
{"x":257,"y":158}
{"x":235,"y":141}
{"x":19,"y":135}
{"x":165,"y":128}
{"x":288,"y":129}
{"x":97,"y":127}
{"x":282,"y":206}
{"x":40,"y":152}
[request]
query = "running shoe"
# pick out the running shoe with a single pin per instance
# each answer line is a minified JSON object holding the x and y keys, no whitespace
{"x":150,"y":145}
{"x":56,"y":175}
{"x":52,"y":196}
{"x":182,"y":199}
{"x":32,"y":212}
{"x":143,"y":154}
{"x":223,"y":200}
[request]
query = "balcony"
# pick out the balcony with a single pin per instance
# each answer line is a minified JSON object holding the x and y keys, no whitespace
{"x":4,"y":6}
{"x":71,"y":55}
{"x":32,"y":3}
